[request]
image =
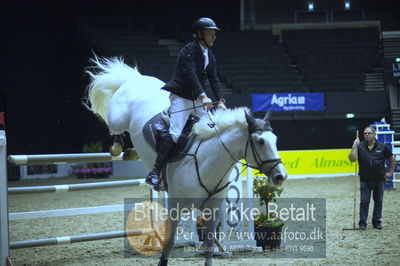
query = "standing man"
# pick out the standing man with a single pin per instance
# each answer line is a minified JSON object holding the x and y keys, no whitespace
{"x":195,"y":64}
{"x":371,"y":156}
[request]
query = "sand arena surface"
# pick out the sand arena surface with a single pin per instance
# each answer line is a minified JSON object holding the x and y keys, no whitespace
{"x":370,"y":247}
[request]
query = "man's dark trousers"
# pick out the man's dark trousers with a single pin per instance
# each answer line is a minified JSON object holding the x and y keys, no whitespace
{"x":377,"y":189}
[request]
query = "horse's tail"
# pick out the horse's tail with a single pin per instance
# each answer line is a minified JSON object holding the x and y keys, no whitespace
{"x":107,"y":75}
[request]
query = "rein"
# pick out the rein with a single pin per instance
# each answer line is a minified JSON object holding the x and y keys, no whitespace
{"x":191,"y":108}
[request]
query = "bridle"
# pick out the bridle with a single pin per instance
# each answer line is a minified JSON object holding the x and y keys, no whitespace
{"x":260,"y":163}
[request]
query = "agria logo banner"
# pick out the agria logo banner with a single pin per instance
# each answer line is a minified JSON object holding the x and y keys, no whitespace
{"x":288,"y":102}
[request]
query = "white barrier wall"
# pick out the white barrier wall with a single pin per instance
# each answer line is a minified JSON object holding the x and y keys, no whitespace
{"x":127,"y":169}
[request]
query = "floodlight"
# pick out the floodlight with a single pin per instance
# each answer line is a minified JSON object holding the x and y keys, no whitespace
{"x":310,"y":6}
{"x":347,"y":4}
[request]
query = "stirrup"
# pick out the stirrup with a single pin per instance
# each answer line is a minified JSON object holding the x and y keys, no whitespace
{"x":159,"y":187}
{"x":156,"y":186}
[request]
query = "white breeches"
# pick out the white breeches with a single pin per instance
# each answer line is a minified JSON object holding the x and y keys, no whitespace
{"x":178,"y":117}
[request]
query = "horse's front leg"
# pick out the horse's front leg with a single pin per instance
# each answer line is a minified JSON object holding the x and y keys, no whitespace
{"x":170,"y":237}
{"x":210,"y":236}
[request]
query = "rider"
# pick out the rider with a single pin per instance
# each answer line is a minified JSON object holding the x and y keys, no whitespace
{"x":194,"y":65}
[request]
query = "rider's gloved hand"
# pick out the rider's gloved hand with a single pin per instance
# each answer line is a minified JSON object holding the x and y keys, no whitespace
{"x":221,"y":104}
{"x":206,"y":102}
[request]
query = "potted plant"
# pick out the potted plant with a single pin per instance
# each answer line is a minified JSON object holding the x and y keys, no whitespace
{"x":268,"y":228}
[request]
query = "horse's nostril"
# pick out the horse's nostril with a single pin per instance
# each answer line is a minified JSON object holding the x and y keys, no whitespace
{"x":279,"y":178}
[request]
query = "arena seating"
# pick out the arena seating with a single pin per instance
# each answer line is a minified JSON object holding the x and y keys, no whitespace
{"x":256,"y":61}
{"x":139,"y":48}
{"x":334,"y":59}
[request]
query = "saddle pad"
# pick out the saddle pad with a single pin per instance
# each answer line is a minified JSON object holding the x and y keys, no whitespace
{"x":153,"y":128}
{"x":154,"y":131}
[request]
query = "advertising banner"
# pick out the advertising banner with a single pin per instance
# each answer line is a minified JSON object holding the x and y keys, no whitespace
{"x":316,"y":163}
{"x":288,"y":102}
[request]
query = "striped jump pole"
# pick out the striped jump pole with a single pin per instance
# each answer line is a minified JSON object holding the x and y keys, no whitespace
{"x":63,"y":158}
{"x":75,"y":187}
{"x":79,"y":238}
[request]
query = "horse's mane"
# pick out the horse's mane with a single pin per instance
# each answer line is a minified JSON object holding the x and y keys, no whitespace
{"x":224,"y":119}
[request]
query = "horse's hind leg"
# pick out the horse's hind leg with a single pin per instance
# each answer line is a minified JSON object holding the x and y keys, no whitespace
{"x":170,"y":245}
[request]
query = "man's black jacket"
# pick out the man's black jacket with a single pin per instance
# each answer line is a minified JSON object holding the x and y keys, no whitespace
{"x":372,"y":162}
{"x":190,"y":76}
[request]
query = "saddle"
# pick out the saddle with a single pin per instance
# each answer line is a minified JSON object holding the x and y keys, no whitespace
{"x":157,"y":128}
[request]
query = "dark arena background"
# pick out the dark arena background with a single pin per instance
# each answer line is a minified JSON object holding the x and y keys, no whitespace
{"x":343,"y":54}
{"x":349,"y":53}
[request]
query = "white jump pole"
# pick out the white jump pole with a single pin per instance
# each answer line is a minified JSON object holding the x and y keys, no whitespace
{"x":4,"y":236}
{"x":75,"y":187}
{"x":79,"y":238}
{"x":62,"y":158}
{"x":17,"y":216}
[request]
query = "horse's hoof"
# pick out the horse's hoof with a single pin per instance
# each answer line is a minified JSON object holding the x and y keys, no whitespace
{"x":115,"y":149}
{"x":130,"y":155}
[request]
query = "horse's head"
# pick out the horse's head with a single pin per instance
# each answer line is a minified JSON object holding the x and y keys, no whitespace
{"x":261,"y":152}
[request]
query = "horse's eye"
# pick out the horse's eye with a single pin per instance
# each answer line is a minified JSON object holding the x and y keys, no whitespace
{"x":261,"y":141}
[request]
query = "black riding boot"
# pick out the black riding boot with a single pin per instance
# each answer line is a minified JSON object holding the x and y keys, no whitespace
{"x":154,"y":177}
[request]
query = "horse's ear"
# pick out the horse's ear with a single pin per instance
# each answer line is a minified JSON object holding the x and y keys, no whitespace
{"x":250,"y":122}
{"x":267,"y":116}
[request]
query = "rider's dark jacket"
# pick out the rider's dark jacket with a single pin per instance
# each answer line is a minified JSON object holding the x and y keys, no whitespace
{"x":190,"y":76}
{"x":372,"y":162}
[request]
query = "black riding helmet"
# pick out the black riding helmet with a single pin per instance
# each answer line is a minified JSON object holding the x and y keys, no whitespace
{"x":203,"y":24}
